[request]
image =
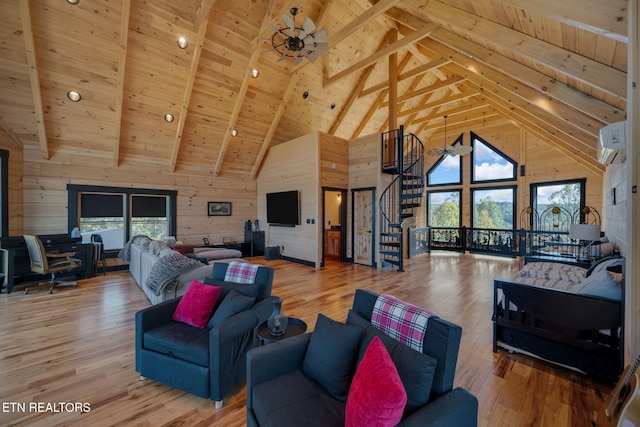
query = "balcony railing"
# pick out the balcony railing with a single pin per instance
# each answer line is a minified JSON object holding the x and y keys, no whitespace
{"x":510,"y":243}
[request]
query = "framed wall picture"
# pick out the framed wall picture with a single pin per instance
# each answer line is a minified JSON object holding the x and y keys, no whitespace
{"x":219,"y":209}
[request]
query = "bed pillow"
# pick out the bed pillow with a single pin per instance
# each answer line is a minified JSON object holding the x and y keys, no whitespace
{"x":603,"y":285}
{"x":232,"y":304}
{"x":602,"y":264}
{"x":377,"y":396}
{"x":331,"y":356}
{"x":196,"y":304}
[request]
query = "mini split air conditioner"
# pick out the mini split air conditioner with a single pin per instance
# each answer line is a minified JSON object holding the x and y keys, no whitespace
{"x":612,"y":143}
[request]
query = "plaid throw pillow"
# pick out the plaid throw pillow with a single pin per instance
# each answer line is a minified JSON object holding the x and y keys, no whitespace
{"x":241,"y":272}
{"x":403,"y":322}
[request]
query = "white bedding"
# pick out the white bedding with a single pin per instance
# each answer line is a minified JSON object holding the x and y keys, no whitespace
{"x":596,"y":281}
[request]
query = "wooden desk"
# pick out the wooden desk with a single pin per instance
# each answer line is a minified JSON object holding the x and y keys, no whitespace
{"x":16,"y":264}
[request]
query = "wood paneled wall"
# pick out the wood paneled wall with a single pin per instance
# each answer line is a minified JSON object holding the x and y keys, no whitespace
{"x":294,"y":165}
{"x":38,"y":193}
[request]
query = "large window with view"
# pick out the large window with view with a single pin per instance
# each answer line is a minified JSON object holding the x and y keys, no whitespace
{"x":444,"y":208}
{"x":493,"y":207}
{"x":569,"y":196}
{"x":118,"y":214}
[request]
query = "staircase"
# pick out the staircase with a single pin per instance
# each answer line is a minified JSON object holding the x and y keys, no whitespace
{"x":402,"y":157}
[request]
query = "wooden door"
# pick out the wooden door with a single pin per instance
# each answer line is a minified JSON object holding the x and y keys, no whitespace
{"x":364,"y":230}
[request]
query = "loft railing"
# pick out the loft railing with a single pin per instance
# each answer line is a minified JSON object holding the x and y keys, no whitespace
{"x":500,"y":242}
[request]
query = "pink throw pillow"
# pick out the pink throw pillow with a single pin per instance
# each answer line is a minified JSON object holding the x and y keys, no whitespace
{"x":196,"y":304}
{"x":377,"y":397}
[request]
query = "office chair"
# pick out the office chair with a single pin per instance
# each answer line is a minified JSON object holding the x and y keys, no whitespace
{"x":98,"y":254}
{"x":49,"y":263}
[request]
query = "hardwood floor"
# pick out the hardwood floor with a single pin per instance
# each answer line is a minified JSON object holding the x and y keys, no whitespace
{"x":77,"y":345}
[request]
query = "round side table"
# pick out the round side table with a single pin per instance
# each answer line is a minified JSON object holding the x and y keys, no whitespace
{"x":295,"y":327}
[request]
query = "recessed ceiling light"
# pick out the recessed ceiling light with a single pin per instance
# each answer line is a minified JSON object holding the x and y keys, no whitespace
{"x":182,"y":43}
{"x":234,"y":132}
{"x":73,"y":1}
{"x":255,"y":73}
{"x":74,"y":96}
{"x":305,"y":94}
{"x":333,"y":105}
{"x":168,"y":117}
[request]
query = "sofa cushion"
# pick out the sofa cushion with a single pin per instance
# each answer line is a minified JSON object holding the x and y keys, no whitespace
{"x":181,"y":341}
{"x":249,"y":290}
{"x":416,"y":369}
{"x":233,"y":303}
{"x":294,"y":400}
{"x":331,"y":355}
{"x":196,"y":305}
{"x":377,"y":396}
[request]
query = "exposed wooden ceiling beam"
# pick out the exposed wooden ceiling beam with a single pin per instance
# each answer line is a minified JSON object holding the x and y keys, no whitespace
{"x":557,"y":143}
{"x":563,"y":130}
{"x":408,"y":74}
{"x":363,"y":19}
{"x":122,"y":61}
{"x":440,"y":102}
{"x":237,"y":107}
{"x":34,"y":77}
{"x":562,"y":114}
{"x":468,"y":107}
{"x":382,"y":53}
{"x":353,"y":96}
{"x":546,"y":86}
{"x":480,"y":30}
{"x":606,"y":18}
{"x":429,"y":89}
{"x":203,"y":12}
{"x":186,"y":97}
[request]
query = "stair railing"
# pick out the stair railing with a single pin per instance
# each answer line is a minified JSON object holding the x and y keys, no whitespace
{"x":403,"y":195}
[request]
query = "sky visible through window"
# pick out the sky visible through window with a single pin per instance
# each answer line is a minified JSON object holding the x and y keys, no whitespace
{"x":490,"y":165}
{"x":447,"y":172}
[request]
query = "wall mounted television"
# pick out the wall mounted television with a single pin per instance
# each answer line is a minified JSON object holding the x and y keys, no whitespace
{"x":283,"y":208}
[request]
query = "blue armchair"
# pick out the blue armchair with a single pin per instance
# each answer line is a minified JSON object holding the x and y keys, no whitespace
{"x":281,"y":391}
{"x":209,"y":362}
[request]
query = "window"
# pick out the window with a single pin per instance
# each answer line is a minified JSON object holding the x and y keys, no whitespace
{"x":493,"y":207}
{"x":489,"y":164}
{"x":443,"y":208}
{"x":121,"y":213}
{"x":447,"y":170}
{"x":568,"y":195}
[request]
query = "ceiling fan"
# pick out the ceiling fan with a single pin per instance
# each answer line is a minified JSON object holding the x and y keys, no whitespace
{"x":449,"y":150}
{"x":299,"y":42}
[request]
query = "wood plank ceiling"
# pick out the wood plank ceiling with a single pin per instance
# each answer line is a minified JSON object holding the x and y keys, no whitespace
{"x":554,"y":69}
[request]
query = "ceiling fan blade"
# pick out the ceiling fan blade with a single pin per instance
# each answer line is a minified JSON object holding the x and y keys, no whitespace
{"x":297,"y":59}
{"x":290,"y":24}
{"x":307,"y":27}
{"x":284,"y":56}
{"x":322,"y":47}
{"x":272,"y":27}
{"x":312,"y":56}
{"x":321,"y":36}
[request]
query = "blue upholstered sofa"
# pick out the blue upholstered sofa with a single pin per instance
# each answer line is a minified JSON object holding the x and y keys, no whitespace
{"x":282,"y":392}
{"x":209,"y":362}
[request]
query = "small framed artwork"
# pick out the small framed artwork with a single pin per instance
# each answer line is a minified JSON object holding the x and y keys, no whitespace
{"x":219,"y":209}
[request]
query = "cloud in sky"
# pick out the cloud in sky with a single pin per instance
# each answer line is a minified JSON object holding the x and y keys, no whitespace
{"x":490,"y":165}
